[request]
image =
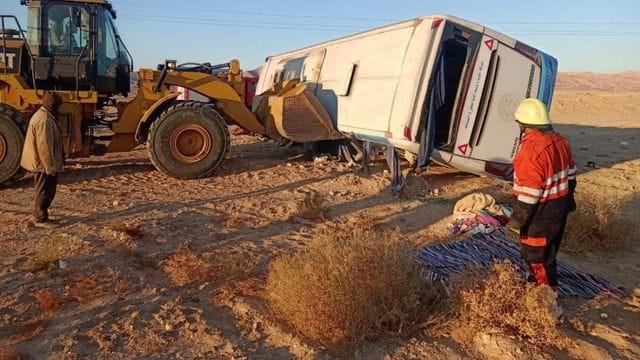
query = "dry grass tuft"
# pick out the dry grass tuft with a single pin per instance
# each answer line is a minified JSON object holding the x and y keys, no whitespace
{"x":10,"y":353}
{"x":237,"y":220}
{"x":229,"y":265}
{"x":184,"y":267}
{"x":313,"y":206}
{"x":598,"y":225}
{"x":496,"y":298}
{"x":46,"y":255}
{"x":49,"y":302}
{"x":83,"y":289}
{"x":134,"y":231}
{"x":347,"y":287}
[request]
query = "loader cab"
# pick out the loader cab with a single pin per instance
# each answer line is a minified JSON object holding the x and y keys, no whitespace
{"x":75,"y":46}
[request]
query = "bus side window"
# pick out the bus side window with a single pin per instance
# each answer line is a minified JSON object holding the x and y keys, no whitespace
{"x":345,"y":87}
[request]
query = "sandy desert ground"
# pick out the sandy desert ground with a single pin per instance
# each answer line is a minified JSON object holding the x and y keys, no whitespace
{"x":122,"y":223}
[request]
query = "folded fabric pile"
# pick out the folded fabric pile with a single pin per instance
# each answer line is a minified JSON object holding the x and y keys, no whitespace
{"x":443,"y":260}
{"x":479,"y":213}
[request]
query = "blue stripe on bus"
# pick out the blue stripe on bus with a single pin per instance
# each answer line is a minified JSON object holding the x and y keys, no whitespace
{"x":547,"y":78}
{"x":373,"y":139}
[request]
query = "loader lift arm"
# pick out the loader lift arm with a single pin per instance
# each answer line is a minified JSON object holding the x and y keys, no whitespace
{"x":226,"y":96}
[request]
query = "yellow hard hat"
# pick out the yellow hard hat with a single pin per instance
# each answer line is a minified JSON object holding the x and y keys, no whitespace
{"x":532,"y":112}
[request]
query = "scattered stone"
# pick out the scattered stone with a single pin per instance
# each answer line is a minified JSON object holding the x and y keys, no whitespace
{"x":320,"y":159}
{"x":624,"y":143}
{"x":332,"y":193}
{"x":436,"y":192}
{"x":591,"y":164}
{"x":289,"y":165}
{"x":604,"y":315}
{"x":115,"y":203}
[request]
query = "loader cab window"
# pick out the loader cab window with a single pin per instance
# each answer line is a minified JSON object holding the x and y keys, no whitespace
{"x":107,"y":46}
{"x":67,"y":29}
{"x":113,"y":61}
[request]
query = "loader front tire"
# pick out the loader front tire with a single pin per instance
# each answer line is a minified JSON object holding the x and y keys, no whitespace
{"x":13,"y":128}
{"x":188,"y":141}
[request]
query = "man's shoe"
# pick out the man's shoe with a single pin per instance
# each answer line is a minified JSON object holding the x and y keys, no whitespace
{"x":44,"y":224}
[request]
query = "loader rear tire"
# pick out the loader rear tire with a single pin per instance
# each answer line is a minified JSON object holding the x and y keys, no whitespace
{"x":13,"y":128}
{"x":188,"y":141}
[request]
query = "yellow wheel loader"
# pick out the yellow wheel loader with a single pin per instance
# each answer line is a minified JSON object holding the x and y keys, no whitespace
{"x":72,"y":47}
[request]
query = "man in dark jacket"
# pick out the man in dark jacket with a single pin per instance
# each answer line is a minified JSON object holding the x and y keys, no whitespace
{"x":544,"y":182}
{"x":43,"y":154}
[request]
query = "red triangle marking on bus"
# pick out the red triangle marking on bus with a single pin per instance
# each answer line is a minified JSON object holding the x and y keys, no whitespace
{"x":463,"y":149}
{"x":489,"y":44}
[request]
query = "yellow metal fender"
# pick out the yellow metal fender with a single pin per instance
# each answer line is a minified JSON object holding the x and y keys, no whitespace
{"x":151,"y":114}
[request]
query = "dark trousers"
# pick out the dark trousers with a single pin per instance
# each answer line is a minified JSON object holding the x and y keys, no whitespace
{"x":45,"y":188}
{"x":541,"y":259}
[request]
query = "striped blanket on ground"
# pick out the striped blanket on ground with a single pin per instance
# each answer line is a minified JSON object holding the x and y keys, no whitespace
{"x":443,"y":260}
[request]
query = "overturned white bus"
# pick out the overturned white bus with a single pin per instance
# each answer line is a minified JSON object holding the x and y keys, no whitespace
{"x":438,"y":87}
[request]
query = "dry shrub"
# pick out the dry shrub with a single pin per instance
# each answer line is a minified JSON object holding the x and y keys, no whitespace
{"x":346,"y":287}
{"x":229,"y":265}
{"x":237,"y":220}
{"x":134,"y":231}
{"x":48,"y":301}
{"x":10,"y":353}
{"x":184,"y":267}
{"x":83,"y":289}
{"x":496,"y":298}
{"x":598,"y":225}
{"x":46,"y":255}
{"x":313,"y":206}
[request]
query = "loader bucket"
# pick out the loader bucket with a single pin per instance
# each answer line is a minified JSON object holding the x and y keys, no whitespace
{"x":291,"y":111}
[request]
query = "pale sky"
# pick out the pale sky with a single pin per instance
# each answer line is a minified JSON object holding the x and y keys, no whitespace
{"x":588,"y":35}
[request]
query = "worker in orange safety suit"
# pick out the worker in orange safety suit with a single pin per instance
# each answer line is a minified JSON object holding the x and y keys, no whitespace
{"x":544,"y":183}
